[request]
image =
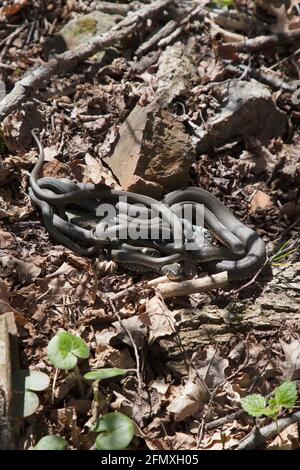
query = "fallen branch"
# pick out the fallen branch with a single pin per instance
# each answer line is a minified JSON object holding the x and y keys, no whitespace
{"x":204,"y":284}
{"x":69,"y":60}
{"x":268,"y":78}
{"x":261,"y":42}
{"x":258,"y":437}
{"x":161,"y":38}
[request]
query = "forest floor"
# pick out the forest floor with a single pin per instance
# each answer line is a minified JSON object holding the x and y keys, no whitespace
{"x":188,"y":360}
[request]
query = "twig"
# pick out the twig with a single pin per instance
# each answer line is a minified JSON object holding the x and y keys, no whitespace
{"x":162,"y":37}
{"x":40,"y":76}
{"x":275,"y":82}
{"x":259,"y":436}
{"x":136,"y":352}
{"x":216,"y":423}
{"x":204,"y":284}
{"x":262,"y":42}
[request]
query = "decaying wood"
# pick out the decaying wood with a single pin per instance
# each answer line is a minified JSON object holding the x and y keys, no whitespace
{"x":204,"y":284}
{"x":6,"y":441}
{"x":68,"y":60}
{"x":259,"y":436}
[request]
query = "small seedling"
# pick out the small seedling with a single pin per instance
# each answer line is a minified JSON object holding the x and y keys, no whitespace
{"x":115,"y":430}
{"x":96,"y":376}
{"x":284,"y":397}
{"x":284,"y":253}
{"x":29,"y":382}
{"x":64,"y":349}
{"x":51,"y":443}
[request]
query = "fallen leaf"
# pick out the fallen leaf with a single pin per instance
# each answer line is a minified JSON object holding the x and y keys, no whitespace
{"x":288,"y":439}
{"x":189,"y":400}
{"x":291,"y":366}
{"x":212,"y":368}
{"x":7,"y":240}
{"x":260,"y":200}
{"x":159,"y":319}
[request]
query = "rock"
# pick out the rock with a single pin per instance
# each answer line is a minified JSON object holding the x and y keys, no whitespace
{"x":79,"y":30}
{"x":153,"y":154}
{"x":249,"y":111}
{"x":176,"y":73}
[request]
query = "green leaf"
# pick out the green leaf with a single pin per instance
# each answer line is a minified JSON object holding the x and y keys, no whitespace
{"x":64,"y":349}
{"x":116,"y":432}
{"x":31,"y":403}
{"x":104,"y":373}
{"x":286,"y":395}
{"x":254,"y":404}
{"x":37,"y":381}
{"x":224,"y":3}
{"x":51,"y":443}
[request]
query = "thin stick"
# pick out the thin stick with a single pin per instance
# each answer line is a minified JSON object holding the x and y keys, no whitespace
{"x":136,"y":352}
{"x":204,"y":284}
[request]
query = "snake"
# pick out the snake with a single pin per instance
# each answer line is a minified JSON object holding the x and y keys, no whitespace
{"x":242,"y":254}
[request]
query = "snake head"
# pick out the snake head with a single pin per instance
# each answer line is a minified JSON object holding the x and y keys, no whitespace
{"x":173,"y":271}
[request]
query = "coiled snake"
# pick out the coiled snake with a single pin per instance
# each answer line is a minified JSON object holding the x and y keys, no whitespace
{"x":242,"y":254}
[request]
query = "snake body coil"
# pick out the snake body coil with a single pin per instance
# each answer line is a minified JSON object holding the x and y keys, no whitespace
{"x":242,"y":254}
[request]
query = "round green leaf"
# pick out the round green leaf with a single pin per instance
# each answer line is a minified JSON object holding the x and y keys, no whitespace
{"x":31,"y":403}
{"x":37,"y":381}
{"x":254,"y":404}
{"x":51,"y":443}
{"x":104,"y":373}
{"x":64,"y":350}
{"x":116,"y":432}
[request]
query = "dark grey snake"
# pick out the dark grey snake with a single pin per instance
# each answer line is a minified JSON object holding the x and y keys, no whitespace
{"x":242,"y":256}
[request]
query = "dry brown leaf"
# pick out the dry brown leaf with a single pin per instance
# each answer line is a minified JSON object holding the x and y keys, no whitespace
{"x":287,"y":440}
{"x":159,"y":319}
{"x":291,"y":366}
{"x":181,"y":441}
{"x":188,"y":400}
{"x":260,"y":200}
{"x":7,"y":240}
{"x":11,"y":10}
{"x":27,"y":272}
{"x":212,"y":368}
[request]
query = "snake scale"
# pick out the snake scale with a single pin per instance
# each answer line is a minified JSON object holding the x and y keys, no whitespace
{"x":242,"y":252}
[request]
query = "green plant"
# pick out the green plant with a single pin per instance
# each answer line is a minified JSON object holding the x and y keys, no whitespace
{"x":26,"y":383}
{"x":51,"y":443}
{"x":115,"y":430}
{"x":224,"y":3}
{"x":284,"y":397}
{"x":64,"y":349}
{"x":284,"y":253}
{"x":101,"y":374}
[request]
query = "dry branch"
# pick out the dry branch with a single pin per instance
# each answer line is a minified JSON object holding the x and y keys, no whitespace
{"x":259,"y":436}
{"x":262,"y":42}
{"x":68,"y":60}
{"x":161,"y":38}
{"x":204,"y":284}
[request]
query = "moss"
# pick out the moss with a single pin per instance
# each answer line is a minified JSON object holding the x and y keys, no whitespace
{"x":85,"y":26}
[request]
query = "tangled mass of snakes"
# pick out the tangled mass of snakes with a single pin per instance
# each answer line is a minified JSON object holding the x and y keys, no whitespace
{"x":143,"y":233}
